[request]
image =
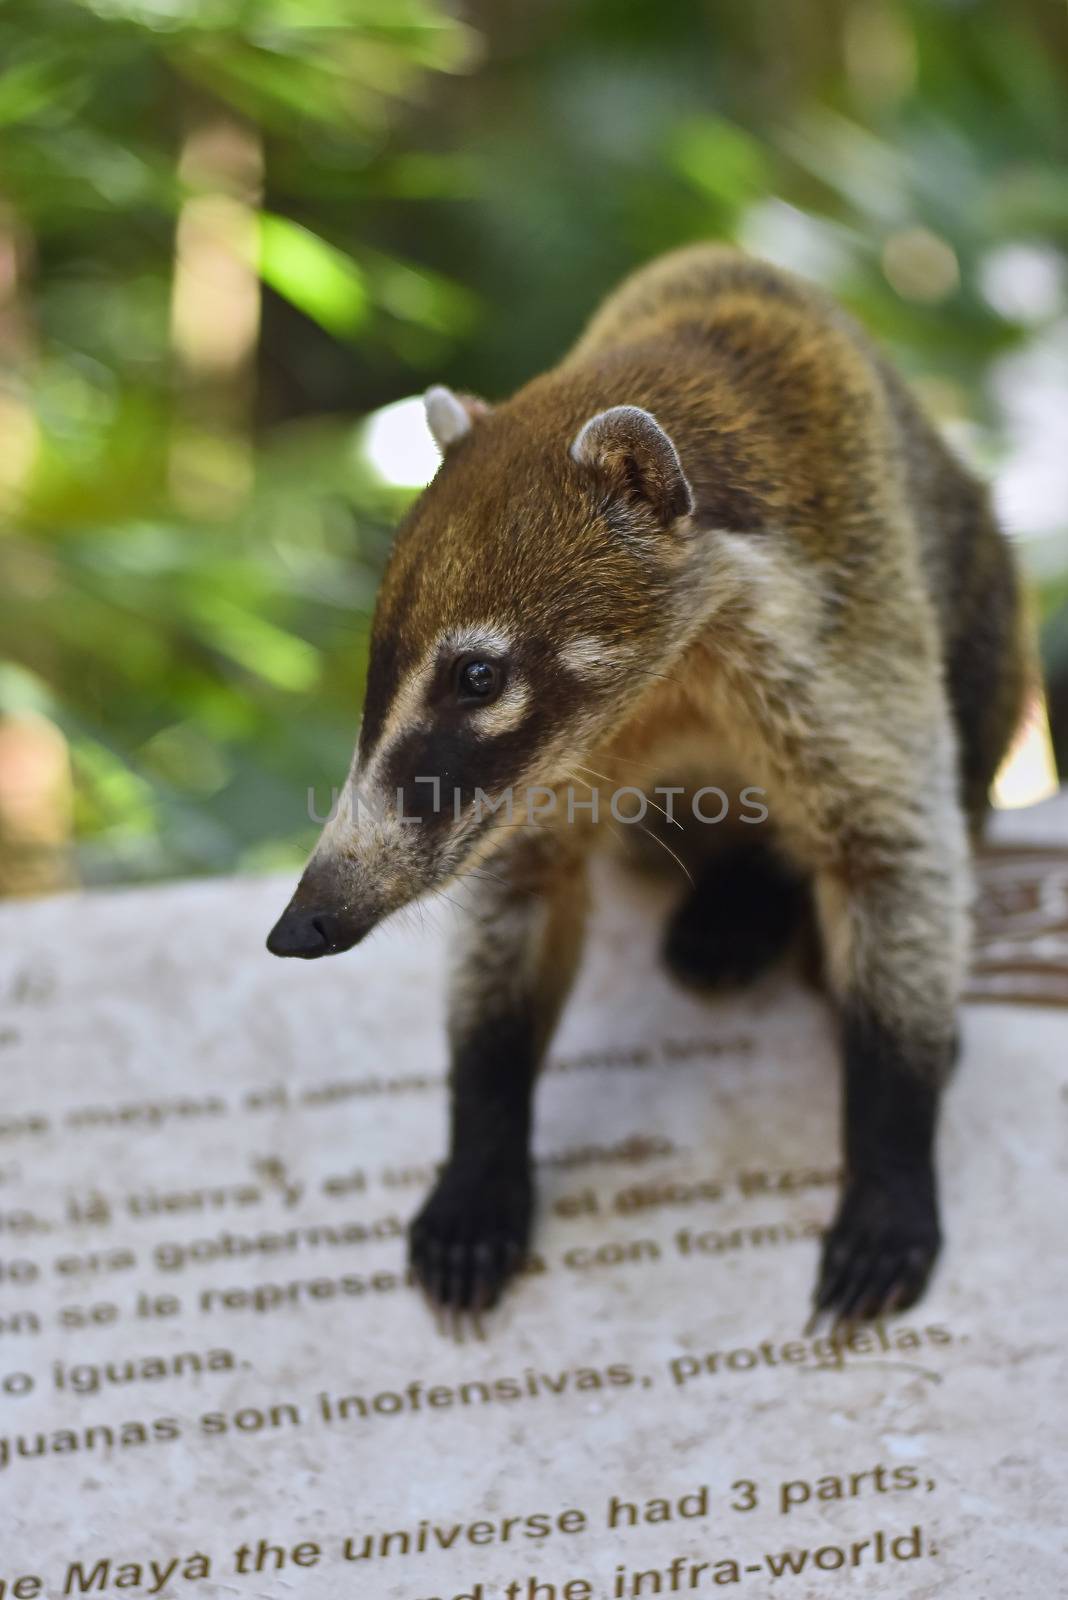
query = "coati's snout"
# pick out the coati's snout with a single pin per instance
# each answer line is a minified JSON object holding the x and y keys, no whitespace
{"x":323,"y":918}
{"x":310,"y":933}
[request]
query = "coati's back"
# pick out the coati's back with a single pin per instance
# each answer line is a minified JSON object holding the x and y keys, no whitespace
{"x":804,"y":422}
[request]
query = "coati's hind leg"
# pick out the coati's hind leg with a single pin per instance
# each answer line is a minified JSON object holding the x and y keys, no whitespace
{"x":987,"y":664}
{"x":742,"y":914}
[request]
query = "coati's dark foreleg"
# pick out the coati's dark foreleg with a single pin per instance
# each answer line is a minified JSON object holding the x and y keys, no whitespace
{"x":879,"y":1253}
{"x":740,"y":917}
{"x":507,"y":988}
{"x":895,"y":939}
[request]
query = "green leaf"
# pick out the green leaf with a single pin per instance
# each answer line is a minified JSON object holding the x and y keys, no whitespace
{"x":316,"y":277}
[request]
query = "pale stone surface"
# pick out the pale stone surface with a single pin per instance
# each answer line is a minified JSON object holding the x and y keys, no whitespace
{"x":216,"y":1119}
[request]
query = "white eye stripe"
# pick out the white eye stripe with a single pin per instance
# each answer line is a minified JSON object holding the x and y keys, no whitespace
{"x":505,"y":713}
{"x":409,"y":704}
{"x":587,"y":656}
{"x":403,"y":714}
{"x":483,"y":638}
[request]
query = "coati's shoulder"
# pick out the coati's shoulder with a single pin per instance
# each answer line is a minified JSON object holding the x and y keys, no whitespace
{"x":789,"y":419}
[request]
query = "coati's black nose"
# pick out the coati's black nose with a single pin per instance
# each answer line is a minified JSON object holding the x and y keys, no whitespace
{"x":310,"y":933}
{"x":297,"y":933}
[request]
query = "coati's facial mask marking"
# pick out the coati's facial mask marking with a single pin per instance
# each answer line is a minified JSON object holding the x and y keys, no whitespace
{"x":434,"y":679}
{"x":460,"y":725}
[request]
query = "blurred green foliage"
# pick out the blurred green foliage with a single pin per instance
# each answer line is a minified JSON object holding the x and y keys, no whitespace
{"x":189,"y":553}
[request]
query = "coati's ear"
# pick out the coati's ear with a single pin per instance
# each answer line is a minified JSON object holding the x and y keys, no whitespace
{"x":628,"y":447}
{"x":449,"y":416}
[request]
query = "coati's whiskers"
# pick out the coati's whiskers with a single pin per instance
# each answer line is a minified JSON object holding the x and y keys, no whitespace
{"x":666,"y":677}
{"x":443,"y":894}
{"x":574,"y":777}
{"x":664,"y":846}
{"x":606,"y":779}
{"x":465,"y":910}
{"x":627,"y":761}
{"x":481,"y":876}
{"x":634,"y":822}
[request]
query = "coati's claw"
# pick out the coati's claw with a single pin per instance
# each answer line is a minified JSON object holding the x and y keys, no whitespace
{"x":878,"y":1256}
{"x":469,"y":1239}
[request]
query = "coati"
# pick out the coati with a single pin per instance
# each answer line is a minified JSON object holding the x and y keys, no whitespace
{"x":721,"y":525}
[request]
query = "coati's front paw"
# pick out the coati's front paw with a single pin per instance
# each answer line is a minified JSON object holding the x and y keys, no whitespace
{"x":879,"y":1253}
{"x":471,"y":1236}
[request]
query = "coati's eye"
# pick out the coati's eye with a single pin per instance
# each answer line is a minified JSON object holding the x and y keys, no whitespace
{"x":478,"y":680}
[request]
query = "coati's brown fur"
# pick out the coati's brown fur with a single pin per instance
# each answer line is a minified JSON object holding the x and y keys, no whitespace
{"x":720,"y":538}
